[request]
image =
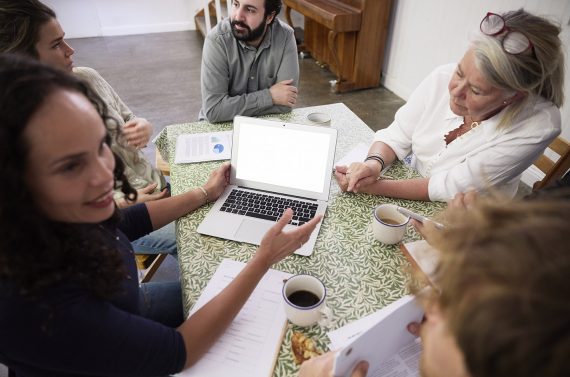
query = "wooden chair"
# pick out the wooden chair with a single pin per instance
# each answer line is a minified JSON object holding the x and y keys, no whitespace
{"x":553,"y":170}
{"x":148,"y":264}
{"x":160,"y":164}
{"x":211,"y":14}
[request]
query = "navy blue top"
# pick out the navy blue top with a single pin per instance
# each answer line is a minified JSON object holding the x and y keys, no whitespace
{"x":79,"y":334}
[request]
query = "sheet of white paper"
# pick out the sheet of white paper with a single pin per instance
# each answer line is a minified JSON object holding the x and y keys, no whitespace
{"x":356,"y":154}
{"x":250,"y":345}
{"x":376,"y":338}
{"x":404,"y":364}
{"x":203,"y":147}
{"x":343,"y":336}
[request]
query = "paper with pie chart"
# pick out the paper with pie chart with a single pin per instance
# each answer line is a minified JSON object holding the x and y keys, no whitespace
{"x":209,"y":146}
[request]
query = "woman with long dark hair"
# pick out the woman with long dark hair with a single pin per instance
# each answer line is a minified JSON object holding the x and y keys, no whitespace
{"x":70,"y":302}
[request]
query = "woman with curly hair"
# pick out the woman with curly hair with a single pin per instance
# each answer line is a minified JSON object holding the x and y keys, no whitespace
{"x":70,"y":302}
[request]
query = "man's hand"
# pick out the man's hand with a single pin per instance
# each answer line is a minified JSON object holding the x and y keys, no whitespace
{"x":137,"y":132}
{"x":284,"y":93}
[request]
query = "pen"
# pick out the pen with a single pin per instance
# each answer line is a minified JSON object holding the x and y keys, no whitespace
{"x":420,"y":218}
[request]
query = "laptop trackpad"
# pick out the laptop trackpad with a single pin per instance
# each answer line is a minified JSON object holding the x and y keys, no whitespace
{"x":252,"y":230}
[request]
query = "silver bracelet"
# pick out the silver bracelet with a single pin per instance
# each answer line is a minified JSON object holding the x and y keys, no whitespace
{"x":204,"y":192}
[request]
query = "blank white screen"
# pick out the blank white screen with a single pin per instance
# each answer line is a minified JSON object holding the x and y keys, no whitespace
{"x":283,"y":157}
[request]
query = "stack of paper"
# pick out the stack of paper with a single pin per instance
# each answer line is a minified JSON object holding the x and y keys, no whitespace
{"x":249,"y":347}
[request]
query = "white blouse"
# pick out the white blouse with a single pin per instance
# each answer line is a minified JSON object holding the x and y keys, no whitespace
{"x":483,"y":157}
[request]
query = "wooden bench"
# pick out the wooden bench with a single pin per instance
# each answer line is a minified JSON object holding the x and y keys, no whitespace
{"x":347,"y":35}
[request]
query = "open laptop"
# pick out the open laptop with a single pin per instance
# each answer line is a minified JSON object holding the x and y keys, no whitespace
{"x":274,"y":166}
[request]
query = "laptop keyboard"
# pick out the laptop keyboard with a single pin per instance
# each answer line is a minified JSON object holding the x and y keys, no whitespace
{"x":268,"y":207}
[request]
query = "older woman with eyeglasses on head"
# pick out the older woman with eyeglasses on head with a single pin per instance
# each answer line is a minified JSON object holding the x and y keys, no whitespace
{"x":475,"y":124}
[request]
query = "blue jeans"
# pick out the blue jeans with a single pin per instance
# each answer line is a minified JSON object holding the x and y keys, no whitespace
{"x":161,"y":241}
{"x":162,"y":302}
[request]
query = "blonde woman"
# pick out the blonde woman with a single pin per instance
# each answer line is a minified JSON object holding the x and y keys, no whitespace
{"x":475,"y":124}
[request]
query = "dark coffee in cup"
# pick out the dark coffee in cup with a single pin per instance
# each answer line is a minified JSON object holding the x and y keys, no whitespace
{"x":303,"y":298}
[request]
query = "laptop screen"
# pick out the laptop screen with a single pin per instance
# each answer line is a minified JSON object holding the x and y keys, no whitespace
{"x":284,"y":155}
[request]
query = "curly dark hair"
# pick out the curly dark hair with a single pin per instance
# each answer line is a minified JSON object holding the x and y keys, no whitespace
{"x":36,"y":252}
{"x":20,"y":22}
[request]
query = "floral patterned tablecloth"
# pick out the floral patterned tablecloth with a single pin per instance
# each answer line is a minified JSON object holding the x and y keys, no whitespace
{"x":361,"y":274}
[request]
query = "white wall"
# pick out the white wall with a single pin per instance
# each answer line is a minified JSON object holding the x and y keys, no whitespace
{"x":90,"y":18}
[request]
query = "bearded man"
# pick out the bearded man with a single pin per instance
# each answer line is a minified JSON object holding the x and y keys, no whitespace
{"x":249,"y":63}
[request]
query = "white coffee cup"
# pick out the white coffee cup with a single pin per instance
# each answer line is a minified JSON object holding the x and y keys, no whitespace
{"x":304,"y":299}
{"x":319,"y":119}
{"x":389,"y":225}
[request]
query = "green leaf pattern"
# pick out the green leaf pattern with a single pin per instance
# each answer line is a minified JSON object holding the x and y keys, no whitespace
{"x":361,"y":274}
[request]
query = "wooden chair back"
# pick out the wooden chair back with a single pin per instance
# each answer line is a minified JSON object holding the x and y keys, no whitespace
{"x":161,"y":164}
{"x":147,"y":264}
{"x":553,"y":169}
{"x":212,"y":13}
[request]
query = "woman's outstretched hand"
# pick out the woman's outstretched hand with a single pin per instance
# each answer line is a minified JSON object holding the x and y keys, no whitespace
{"x":277,"y":244}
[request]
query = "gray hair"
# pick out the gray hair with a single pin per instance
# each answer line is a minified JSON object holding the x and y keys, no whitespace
{"x":536,"y":72}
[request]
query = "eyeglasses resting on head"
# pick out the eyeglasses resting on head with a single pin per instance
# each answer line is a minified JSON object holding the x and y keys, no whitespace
{"x":514,"y":42}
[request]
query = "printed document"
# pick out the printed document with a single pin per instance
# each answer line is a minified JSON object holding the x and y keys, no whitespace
{"x":356,"y":154}
{"x":382,"y":339}
{"x":203,"y":147}
{"x":249,"y":347}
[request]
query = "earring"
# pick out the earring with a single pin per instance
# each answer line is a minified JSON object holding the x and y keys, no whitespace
{"x":505,"y":103}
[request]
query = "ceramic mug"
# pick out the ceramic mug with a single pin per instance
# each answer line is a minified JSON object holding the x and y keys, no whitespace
{"x":319,"y":119}
{"x":389,"y":225}
{"x":304,"y":299}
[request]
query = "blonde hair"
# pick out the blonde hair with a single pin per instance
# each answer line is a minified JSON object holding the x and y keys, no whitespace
{"x":504,"y":278}
{"x":536,"y":72}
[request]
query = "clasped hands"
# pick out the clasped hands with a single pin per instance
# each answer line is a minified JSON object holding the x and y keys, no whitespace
{"x":358,"y":177}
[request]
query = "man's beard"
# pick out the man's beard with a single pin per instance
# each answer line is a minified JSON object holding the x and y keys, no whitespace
{"x":247,"y":35}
